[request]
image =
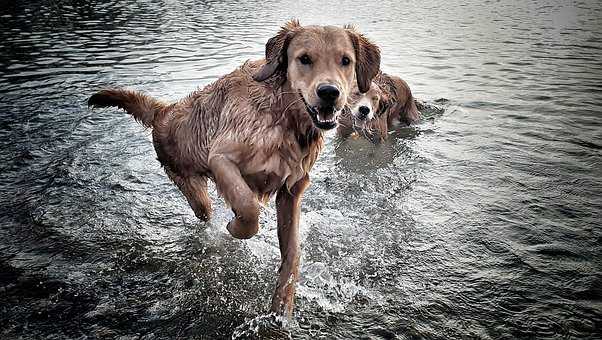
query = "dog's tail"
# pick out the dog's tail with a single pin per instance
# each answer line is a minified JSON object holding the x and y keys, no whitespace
{"x":411,"y":113}
{"x":141,"y":106}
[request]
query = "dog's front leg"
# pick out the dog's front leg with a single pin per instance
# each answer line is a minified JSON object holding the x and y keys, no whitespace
{"x":237,"y":193}
{"x":288,"y":206}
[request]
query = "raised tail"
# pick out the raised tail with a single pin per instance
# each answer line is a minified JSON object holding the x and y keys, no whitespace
{"x":141,"y":106}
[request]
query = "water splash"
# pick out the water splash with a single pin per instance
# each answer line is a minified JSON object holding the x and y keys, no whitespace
{"x":268,"y":326}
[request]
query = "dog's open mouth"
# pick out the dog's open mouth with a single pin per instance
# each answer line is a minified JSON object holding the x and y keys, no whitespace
{"x":324,"y":118}
{"x":361,"y":121}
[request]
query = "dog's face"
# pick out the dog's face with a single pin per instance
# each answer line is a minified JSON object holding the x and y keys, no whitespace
{"x":321,"y":64}
{"x":321,"y":69}
{"x":365,"y":106}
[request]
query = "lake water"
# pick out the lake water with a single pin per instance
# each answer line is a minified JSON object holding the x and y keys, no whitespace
{"x":481,"y":222}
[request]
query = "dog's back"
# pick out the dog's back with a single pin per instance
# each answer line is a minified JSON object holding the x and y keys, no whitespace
{"x":402,"y":106}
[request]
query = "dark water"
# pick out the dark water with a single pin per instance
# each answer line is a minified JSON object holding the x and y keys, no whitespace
{"x":482,"y":222}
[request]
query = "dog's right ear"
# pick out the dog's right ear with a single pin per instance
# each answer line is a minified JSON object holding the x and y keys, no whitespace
{"x":276,"y":51}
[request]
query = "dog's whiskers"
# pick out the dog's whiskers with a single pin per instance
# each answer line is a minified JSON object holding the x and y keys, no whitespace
{"x":288,"y":92}
{"x":288,"y":107}
{"x":291,"y":104}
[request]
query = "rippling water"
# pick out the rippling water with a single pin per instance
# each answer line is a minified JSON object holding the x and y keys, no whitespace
{"x":481,"y":222}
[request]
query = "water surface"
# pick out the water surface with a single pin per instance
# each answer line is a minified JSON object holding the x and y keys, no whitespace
{"x":482,"y":221}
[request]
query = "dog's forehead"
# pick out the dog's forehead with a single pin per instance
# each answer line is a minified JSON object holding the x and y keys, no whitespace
{"x":374,"y":90}
{"x":320,"y":37}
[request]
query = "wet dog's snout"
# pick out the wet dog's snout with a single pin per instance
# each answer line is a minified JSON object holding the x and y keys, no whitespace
{"x":363,"y":112}
{"x":328,"y":93}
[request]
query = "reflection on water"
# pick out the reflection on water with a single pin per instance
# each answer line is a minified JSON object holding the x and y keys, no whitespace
{"x":481,"y":222}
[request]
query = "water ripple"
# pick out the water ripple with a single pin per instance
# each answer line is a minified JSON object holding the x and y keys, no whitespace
{"x":480,"y":222}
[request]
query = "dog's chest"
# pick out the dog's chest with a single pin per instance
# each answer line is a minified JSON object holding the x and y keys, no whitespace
{"x":285,"y":163}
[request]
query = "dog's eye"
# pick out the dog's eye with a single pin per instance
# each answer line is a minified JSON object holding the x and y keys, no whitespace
{"x":305,"y":59}
{"x":345,"y":61}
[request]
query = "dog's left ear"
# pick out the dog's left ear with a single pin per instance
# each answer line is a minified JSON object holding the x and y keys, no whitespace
{"x":276,"y":51}
{"x":367,"y":59}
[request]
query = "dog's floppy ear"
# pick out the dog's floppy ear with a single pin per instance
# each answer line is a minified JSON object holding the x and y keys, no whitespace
{"x":275,"y":51}
{"x":367,"y":59}
{"x":383,"y":105}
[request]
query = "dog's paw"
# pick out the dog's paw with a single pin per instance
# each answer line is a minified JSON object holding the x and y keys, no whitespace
{"x":204,"y":217}
{"x":240,"y":230}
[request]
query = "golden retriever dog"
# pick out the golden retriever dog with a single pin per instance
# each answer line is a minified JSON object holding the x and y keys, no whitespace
{"x":258,"y":131}
{"x":372,"y":114}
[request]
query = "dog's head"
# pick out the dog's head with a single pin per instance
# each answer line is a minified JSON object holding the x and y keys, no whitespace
{"x":369,"y":105}
{"x":321,"y":64}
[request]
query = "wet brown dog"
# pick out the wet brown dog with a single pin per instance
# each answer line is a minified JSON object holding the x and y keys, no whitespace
{"x":258,"y":130}
{"x":372,"y":114}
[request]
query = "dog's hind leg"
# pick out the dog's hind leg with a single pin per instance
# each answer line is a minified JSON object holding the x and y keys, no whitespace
{"x":194,"y":189}
{"x":238,"y":195}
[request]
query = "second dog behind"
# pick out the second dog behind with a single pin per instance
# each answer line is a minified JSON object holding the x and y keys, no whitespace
{"x":388,"y":103}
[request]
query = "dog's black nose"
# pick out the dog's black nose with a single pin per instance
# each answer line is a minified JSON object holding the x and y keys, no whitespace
{"x":328,"y":93}
{"x":363,"y":112}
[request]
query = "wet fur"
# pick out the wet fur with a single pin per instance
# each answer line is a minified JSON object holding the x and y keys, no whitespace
{"x":252,"y":136}
{"x":396,"y":105}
